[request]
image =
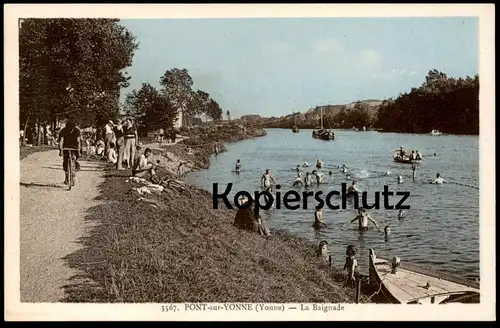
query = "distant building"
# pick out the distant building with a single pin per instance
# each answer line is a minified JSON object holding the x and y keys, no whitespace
{"x":179,"y":123}
{"x":250,"y":118}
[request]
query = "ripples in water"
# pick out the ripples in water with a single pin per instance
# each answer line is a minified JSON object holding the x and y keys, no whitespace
{"x":441,"y":229}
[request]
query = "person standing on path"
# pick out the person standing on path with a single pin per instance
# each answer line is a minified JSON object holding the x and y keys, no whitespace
{"x":120,"y":145}
{"x":162,"y":134}
{"x":108,"y":137}
{"x":131,"y":139}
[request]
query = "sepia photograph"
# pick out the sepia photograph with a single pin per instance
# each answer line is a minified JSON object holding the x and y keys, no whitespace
{"x":261,"y":164}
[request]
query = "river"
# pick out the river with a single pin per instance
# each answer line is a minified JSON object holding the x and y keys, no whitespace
{"x":441,"y":229}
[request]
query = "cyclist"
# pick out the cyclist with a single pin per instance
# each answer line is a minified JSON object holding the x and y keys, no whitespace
{"x":69,"y":137}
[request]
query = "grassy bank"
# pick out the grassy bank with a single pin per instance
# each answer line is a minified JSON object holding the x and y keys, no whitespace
{"x":185,"y":251}
{"x":182,"y":250}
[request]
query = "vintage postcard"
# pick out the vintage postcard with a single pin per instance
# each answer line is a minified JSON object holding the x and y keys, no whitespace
{"x":249,"y":162}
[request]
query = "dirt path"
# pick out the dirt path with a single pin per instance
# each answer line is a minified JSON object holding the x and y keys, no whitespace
{"x":51,"y":222}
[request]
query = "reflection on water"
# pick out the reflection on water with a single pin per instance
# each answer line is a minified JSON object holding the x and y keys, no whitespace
{"x":441,"y":229}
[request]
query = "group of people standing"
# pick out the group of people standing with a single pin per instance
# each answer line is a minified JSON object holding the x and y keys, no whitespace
{"x":121,"y":139}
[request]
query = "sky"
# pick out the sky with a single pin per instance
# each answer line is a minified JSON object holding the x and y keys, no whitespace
{"x":277,"y":66}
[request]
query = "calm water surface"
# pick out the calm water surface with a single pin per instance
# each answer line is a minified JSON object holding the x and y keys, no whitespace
{"x":441,"y":230}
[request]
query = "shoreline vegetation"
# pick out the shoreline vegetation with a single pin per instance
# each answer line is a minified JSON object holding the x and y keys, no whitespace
{"x":448,"y":104}
{"x":172,"y":247}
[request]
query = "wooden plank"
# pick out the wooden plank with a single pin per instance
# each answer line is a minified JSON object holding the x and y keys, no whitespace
{"x":407,"y":285}
{"x":416,"y":280}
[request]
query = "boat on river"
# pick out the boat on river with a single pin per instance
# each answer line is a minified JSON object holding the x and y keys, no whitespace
{"x":322,"y":133}
{"x":435,"y":133}
{"x":396,"y":155}
{"x":404,"y":283}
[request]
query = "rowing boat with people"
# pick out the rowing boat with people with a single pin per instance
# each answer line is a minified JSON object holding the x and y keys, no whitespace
{"x":406,"y":159}
{"x":403,"y":283}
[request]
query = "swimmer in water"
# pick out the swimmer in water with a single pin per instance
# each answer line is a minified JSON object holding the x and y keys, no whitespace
{"x":238,"y":165}
{"x":306,"y":164}
{"x":266,"y":180}
{"x":308,"y":179}
{"x":401,"y":214}
{"x":348,"y":176}
{"x":352,"y":188}
{"x":363,"y":217}
{"x":400,"y":178}
{"x":438,"y":180}
{"x":387,"y":232}
{"x":319,"y":176}
{"x":318,"y":218}
{"x":319,"y":163}
{"x":297,"y":168}
{"x":388,"y":173}
{"x":330,"y":173}
{"x":298,"y":180}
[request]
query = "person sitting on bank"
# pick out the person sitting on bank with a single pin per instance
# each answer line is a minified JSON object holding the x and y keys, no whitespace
{"x":363,"y":217}
{"x":112,"y":157}
{"x":318,"y":218}
{"x":143,"y":168}
{"x":439,"y":179}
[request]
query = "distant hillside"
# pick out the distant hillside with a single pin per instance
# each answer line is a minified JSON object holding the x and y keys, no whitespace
{"x":311,"y":118}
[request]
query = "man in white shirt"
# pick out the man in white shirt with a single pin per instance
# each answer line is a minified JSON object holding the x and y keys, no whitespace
{"x":142,"y":168}
{"x":108,"y":135}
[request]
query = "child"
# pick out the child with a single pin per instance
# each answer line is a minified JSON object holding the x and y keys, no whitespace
{"x":112,"y":157}
{"x":351,"y":265}
{"x":318,"y":218}
{"x":387,"y":232}
{"x":100,"y":148}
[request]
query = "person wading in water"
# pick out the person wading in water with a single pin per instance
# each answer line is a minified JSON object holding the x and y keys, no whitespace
{"x":318,"y":218}
{"x":363,"y":217}
{"x":267,"y":180}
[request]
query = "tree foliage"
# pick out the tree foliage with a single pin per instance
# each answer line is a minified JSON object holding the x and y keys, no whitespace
{"x":72,"y":67}
{"x":441,"y":102}
{"x":158,"y":108}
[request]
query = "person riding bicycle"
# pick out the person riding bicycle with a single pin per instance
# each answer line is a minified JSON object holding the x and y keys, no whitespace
{"x":69,"y":137}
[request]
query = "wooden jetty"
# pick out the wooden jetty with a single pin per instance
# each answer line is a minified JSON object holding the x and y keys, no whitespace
{"x":409,"y":284}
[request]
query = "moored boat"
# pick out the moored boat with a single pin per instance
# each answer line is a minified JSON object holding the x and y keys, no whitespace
{"x":435,"y":133}
{"x":324,"y":134}
{"x":295,"y":129}
{"x":404,"y":283}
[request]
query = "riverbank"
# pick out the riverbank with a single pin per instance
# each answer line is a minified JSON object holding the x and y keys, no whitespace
{"x":174,"y":247}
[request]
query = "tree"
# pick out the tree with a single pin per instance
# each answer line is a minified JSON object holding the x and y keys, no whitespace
{"x":150,"y":108}
{"x":177,"y":85}
{"x":441,"y":102}
{"x":72,"y":67}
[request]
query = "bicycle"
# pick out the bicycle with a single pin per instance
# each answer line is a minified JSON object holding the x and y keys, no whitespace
{"x":71,"y":166}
